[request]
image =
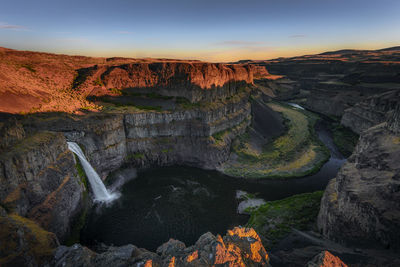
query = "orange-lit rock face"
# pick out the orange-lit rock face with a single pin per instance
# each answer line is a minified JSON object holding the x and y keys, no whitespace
{"x":172,"y":262}
{"x":162,"y":74}
{"x":233,"y":250}
{"x":193,"y":256}
{"x":326,"y":259}
{"x":260,"y":72}
{"x":229,"y":254}
{"x":36,"y":82}
{"x":149,"y":263}
{"x":256,"y":252}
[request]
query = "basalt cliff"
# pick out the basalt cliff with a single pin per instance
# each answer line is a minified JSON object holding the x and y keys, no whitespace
{"x":159,"y":112}
{"x":43,"y":191}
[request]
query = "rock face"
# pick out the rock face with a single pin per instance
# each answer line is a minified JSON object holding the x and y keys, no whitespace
{"x":42,"y":82}
{"x":193,"y":80}
{"x":239,"y":247}
{"x":362,"y":205}
{"x":24,"y":243}
{"x":154,"y":138}
{"x":38,"y":180}
{"x":326,"y":259}
{"x":372,"y":111}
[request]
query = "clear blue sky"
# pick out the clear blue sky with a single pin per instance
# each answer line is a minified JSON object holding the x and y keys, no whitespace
{"x":217,"y":30}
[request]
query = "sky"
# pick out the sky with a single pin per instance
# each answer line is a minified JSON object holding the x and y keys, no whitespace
{"x":211,"y":30}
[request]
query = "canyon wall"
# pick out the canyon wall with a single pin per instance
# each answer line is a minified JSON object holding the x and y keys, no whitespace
{"x":38,"y":180}
{"x":195,"y":81}
{"x":43,"y":82}
{"x":332,"y":82}
{"x":361,"y":206}
{"x":371,"y":111}
{"x":154,"y":138}
{"x":41,"y":181}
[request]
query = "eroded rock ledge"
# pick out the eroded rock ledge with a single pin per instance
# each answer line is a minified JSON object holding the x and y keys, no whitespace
{"x":239,"y":247}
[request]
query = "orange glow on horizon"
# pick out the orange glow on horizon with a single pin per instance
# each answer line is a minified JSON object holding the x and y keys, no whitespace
{"x":221,"y":55}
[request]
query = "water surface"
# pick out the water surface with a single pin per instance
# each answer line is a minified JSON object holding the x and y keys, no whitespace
{"x":184,"y":202}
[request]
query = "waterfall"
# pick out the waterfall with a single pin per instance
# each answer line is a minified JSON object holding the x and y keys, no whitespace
{"x":99,"y":190}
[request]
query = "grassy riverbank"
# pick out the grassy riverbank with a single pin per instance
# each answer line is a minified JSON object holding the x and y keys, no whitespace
{"x":344,"y":138}
{"x":296,"y":153}
{"x":275,"y":219}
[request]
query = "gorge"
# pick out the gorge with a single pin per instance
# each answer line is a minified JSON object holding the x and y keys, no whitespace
{"x":198,"y":133}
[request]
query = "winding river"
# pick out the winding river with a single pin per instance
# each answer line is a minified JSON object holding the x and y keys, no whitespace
{"x":184,"y":202}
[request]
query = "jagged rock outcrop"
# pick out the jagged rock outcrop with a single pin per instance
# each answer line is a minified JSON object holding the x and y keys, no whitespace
{"x":370,"y":112}
{"x":394,"y":120}
{"x":10,"y":133}
{"x":23,"y":242}
{"x":326,"y":259}
{"x":239,"y":247}
{"x":362,"y":205}
{"x":38,"y":180}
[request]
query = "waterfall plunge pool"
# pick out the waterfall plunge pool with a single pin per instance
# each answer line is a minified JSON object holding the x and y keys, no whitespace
{"x":184,"y":202}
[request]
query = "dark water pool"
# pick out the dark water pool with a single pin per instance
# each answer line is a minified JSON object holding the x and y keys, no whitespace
{"x":183,"y":203}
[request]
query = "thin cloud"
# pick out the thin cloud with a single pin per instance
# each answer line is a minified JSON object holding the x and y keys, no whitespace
{"x":298,"y":36}
{"x":240,"y":43}
{"x":124,"y":32}
{"x":7,"y":26}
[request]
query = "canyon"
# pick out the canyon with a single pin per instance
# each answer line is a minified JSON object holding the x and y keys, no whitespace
{"x":144,"y":113}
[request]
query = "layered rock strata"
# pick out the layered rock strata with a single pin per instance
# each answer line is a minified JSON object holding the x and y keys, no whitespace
{"x":38,"y":180}
{"x":154,"y":138}
{"x":195,"y":81}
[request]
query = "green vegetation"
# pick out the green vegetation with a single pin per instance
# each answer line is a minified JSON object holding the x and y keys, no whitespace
{"x":98,"y":82}
{"x":147,"y":95}
{"x":116,"y":91}
{"x":158,"y":96}
{"x":186,"y":104}
{"x":135,"y":156}
{"x":153,"y":108}
{"x":79,"y":223}
{"x":344,"y":138}
{"x":40,"y":244}
{"x":219,"y":137}
{"x":167,"y":150}
{"x":111,"y":108}
{"x":274,"y":219}
{"x":40,"y":139}
{"x":116,"y":106}
{"x":81,"y":172}
{"x":297,"y":153}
